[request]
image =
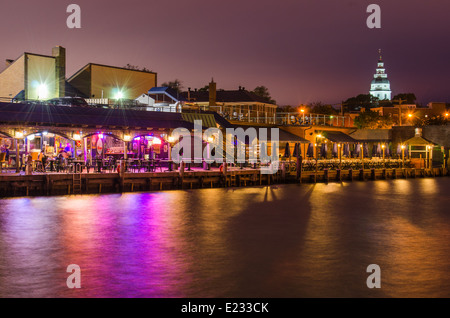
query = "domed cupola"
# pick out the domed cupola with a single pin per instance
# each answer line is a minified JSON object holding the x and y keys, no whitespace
{"x":380,"y":86}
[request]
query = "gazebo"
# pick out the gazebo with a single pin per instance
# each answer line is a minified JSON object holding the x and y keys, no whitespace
{"x":420,"y":150}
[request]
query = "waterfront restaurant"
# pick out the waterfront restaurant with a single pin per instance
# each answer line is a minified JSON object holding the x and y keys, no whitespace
{"x":84,"y":133}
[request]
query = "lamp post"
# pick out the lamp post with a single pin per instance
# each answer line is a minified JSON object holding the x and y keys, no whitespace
{"x":430,"y":156}
{"x":339,"y":155}
{"x":403,"y":156}
{"x":126,"y":139}
{"x":382,"y":147}
{"x":410,"y":116}
{"x":362,"y":156}
{"x":171,"y":139}
{"x":319,"y":136}
{"x":18,"y":135}
{"x":303,"y":115}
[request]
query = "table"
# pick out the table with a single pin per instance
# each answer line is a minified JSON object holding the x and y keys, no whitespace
{"x":99,"y":163}
{"x":169,"y":163}
{"x":51,"y":163}
{"x":77,"y":162}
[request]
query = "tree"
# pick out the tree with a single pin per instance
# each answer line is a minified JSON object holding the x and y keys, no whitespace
{"x":136,"y":68}
{"x":204,"y":88}
{"x":361,"y":101}
{"x":372,"y":120}
{"x":422,"y":121}
{"x":176,"y":84}
{"x":263,"y":92}
{"x":406,"y":98}
{"x":287,"y":109}
{"x":319,"y":108}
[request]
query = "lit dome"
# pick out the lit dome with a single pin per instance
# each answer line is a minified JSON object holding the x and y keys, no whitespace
{"x":380,"y":86}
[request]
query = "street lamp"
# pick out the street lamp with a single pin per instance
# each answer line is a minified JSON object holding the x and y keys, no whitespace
{"x":303,"y":115}
{"x":403,"y":156}
{"x":382,"y":147}
{"x":339,"y":155}
{"x":430,"y":156}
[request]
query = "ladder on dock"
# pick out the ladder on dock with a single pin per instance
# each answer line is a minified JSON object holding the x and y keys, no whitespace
{"x":76,"y":184}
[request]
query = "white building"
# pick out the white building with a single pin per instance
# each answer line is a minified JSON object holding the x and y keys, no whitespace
{"x":159,"y":105}
{"x":380,"y":86}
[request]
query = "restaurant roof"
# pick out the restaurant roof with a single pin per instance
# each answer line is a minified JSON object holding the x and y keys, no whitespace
{"x":49,"y":115}
{"x":372,"y":135}
{"x":283,"y":135}
{"x":338,"y":136}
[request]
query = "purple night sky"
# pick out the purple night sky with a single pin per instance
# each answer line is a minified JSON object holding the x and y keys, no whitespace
{"x":303,"y":51}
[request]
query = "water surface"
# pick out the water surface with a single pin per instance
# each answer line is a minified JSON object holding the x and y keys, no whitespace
{"x":279,"y":241}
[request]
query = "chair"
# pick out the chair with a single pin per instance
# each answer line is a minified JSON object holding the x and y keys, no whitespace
{"x":3,"y":161}
{"x":136,"y":165}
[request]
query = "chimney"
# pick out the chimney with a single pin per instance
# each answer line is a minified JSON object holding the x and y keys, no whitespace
{"x":240,"y":88}
{"x":60,"y":68}
{"x":9,"y":62}
{"x":212,"y":93}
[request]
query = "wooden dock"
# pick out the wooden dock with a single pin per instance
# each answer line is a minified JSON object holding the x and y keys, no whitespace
{"x":12,"y":185}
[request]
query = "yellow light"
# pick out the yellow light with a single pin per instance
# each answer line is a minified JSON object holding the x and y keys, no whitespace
{"x":302,"y":110}
{"x":210,"y":139}
{"x":382,"y":146}
{"x":339,"y":145}
{"x":403,"y":146}
{"x":126,"y":137}
{"x":319,"y":136}
{"x":19,"y":134}
{"x":171,"y":139}
{"x":446,"y":114}
{"x":30,"y":137}
{"x":42,"y":91}
{"x":76,"y":137}
{"x":409,"y":115}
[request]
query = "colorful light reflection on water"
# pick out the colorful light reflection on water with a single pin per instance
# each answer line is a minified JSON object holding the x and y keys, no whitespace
{"x":279,"y":241}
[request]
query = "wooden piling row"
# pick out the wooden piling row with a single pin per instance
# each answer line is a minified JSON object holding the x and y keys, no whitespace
{"x":63,"y":184}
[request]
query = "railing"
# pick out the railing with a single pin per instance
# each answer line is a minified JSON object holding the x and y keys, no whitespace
{"x":278,"y":118}
{"x":249,"y":116}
